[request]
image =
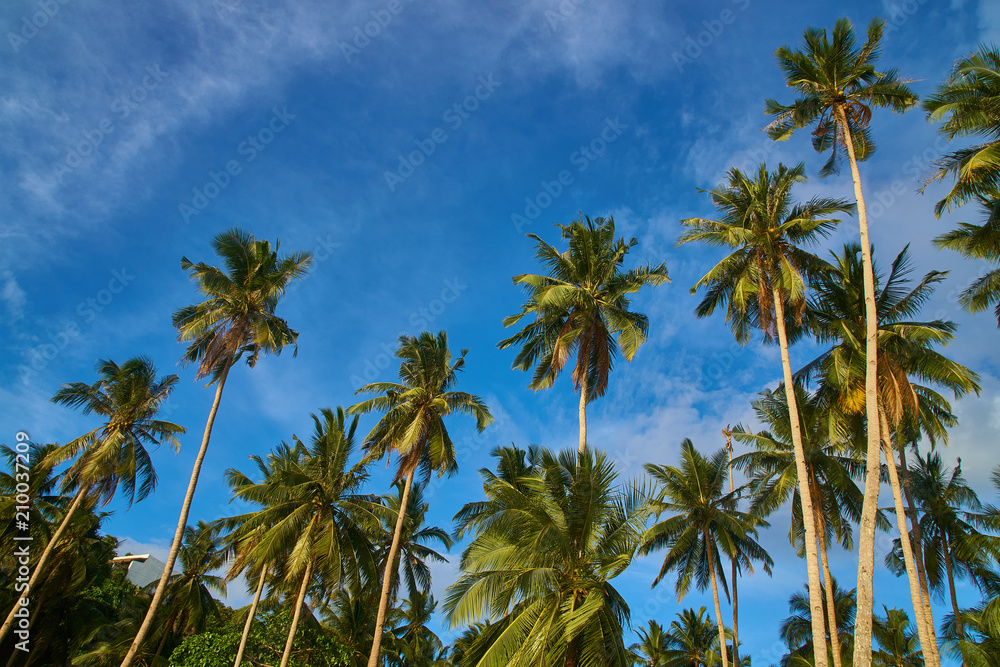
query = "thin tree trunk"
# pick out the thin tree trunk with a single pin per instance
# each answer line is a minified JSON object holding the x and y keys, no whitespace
{"x":583,"y":417}
{"x":869,"y":508}
{"x":715,"y":596}
{"x":904,"y":540}
{"x":831,"y":601}
{"x":287,"y":655}
{"x":253,"y":611}
{"x":918,"y":554}
{"x":383,"y":602}
{"x":736,"y":602}
{"x":44,"y":558}
{"x":175,"y":548}
{"x":163,"y":639}
{"x":812,"y":558}
{"x":959,"y":626}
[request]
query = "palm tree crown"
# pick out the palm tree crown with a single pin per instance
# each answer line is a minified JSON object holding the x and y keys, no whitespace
{"x":979,"y":242}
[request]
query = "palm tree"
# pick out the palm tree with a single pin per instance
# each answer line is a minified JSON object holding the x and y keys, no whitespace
{"x":313,"y":519}
{"x":968,"y":99}
{"x":979,"y":242}
{"x":552,"y":533}
{"x":413,"y":426}
{"x":773,"y":478}
{"x":416,"y":645}
{"x":796,"y":630}
{"x":45,"y":505}
{"x":906,"y":355}
{"x":236,"y":320}
{"x":581,"y":306}
{"x":189,"y":594}
{"x":765,"y":273}
{"x":651,"y":649}
{"x":414,"y":554}
{"x":897,"y":640}
{"x":127,"y":398}
{"x":703,"y":524}
{"x":692,"y":640}
{"x":839,"y":87}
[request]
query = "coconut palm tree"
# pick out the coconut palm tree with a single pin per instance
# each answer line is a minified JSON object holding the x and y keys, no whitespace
{"x":313,"y":519}
{"x":235,"y":321}
{"x":968,"y":102}
{"x":979,"y":242}
{"x":906,"y":357}
{"x":897,"y":639}
{"x":551,"y":535}
{"x":703,"y":524}
{"x":127,"y":398}
{"x":581,"y":307}
{"x":414,"y":554}
{"x":692,"y":640}
{"x":831,"y":471}
{"x":39,"y":482}
{"x":766,"y":273}
{"x":189,"y":603}
{"x":412,"y":425}
{"x":796,"y":630}
{"x":651,"y":649}
{"x":839,"y":88}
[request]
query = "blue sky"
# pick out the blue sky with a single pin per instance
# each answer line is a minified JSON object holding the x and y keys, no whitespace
{"x":411,"y":145}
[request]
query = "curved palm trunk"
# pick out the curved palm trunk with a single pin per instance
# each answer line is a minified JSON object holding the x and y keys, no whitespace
{"x":253,"y":611}
{"x":869,"y":508}
{"x":736,"y":602}
{"x":715,"y":596}
{"x":383,"y":602}
{"x":287,"y":655}
{"x":812,"y":558}
{"x":927,"y":641}
{"x":44,"y":558}
{"x":175,"y":548}
{"x":166,"y":633}
{"x":959,"y":626}
{"x":831,"y":601}
{"x":911,"y":508}
{"x":583,"y":416}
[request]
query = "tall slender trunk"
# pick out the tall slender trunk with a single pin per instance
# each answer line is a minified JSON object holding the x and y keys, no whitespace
{"x":735,"y":576}
{"x":812,"y":558}
{"x":918,"y":553}
{"x":253,"y":611}
{"x":383,"y":602}
{"x":831,"y":601}
{"x":583,"y":416}
{"x":926,"y":640}
{"x":44,"y":558}
{"x":166,"y":633}
{"x":715,"y":596}
{"x":175,"y":548}
{"x":299,"y":599}
{"x":959,"y":626}
{"x":869,"y":508}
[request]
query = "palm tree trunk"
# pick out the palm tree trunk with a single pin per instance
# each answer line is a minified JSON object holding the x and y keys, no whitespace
{"x":253,"y":610}
{"x":736,"y":602}
{"x":869,"y":508}
{"x":831,"y":601}
{"x":166,"y":633}
{"x":812,"y":558}
{"x":299,"y":600}
{"x":918,"y":554}
{"x":44,"y":558}
{"x":383,"y":602}
{"x":926,"y":640}
{"x":583,"y":416}
{"x":15,"y":654}
{"x":175,"y":548}
{"x":715,"y":596}
{"x":959,"y":629}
